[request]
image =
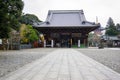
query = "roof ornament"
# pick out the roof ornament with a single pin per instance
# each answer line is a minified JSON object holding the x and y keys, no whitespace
{"x":93,"y":23}
{"x":47,"y":22}
{"x":83,"y":22}
{"x":82,"y":12}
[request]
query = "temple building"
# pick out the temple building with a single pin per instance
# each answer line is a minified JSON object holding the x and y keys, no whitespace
{"x":66,"y":28}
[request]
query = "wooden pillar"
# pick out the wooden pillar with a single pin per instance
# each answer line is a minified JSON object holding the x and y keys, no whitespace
{"x":84,"y":42}
{"x":87,"y":40}
{"x":71,"y":42}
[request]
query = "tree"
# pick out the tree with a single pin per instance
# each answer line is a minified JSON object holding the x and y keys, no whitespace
{"x":118,"y":27}
{"x":93,"y":39}
{"x":111,"y":29}
{"x":10,"y":12}
{"x":32,"y":34}
{"x":110,"y":22}
{"x":29,"y":19}
{"x":23,"y":33}
{"x":28,"y":34}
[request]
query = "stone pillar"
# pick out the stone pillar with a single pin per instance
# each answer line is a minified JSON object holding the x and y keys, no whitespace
{"x":44,"y":43}
{"x":78,"y":43}
{"x":52,"y":43}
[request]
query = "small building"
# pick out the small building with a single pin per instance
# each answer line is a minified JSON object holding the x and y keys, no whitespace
{"x":66,"y":28}
{"x":111,"y":41}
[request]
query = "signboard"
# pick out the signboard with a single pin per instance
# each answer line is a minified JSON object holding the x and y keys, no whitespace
{"x":76,"y":34}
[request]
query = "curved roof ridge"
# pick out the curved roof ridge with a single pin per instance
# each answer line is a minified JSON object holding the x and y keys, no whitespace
{"x":65,"y":11}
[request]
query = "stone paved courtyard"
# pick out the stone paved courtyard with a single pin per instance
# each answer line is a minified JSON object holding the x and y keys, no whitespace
{"x":13,"y":60}
{"x":109,"y":56}
{"x":63,"y":64}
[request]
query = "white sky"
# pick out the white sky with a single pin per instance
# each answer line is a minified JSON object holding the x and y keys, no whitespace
{"x":103,"y":9}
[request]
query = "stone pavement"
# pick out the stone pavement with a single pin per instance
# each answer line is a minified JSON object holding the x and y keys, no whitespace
{"x":64,"y":64}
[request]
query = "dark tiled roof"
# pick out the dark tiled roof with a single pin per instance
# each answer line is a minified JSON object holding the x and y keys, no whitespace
{"x":66,"y":18}
{"x":111,"y":37}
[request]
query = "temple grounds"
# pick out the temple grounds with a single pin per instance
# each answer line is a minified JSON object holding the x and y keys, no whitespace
{"x":57,"y":64}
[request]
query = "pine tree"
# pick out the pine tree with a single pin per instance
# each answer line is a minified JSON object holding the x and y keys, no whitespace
{"x":111,"y":29}
{"x":118,"y":27}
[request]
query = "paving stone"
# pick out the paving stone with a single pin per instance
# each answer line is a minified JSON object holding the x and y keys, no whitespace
{"x":64,"y":64}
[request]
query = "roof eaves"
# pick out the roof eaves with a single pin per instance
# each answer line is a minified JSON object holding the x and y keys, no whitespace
{"x":68,"y":26}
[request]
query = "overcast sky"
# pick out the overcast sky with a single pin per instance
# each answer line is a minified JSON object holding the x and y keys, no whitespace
{"x":103,"y":9}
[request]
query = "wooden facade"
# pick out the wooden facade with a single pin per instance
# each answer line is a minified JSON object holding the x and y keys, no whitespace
{"x":66,"y":28}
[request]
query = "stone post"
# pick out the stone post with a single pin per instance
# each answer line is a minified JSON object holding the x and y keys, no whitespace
{"x":52,"y":43}
{"x":78,"y":43}
{"x":44,"y":43}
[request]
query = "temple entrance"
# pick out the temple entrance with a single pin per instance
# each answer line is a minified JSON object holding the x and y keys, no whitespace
{"x":65,"y":39}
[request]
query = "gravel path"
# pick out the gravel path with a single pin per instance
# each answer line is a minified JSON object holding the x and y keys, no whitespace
{"x":108,"y":57}
{"x":12,"y":60}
